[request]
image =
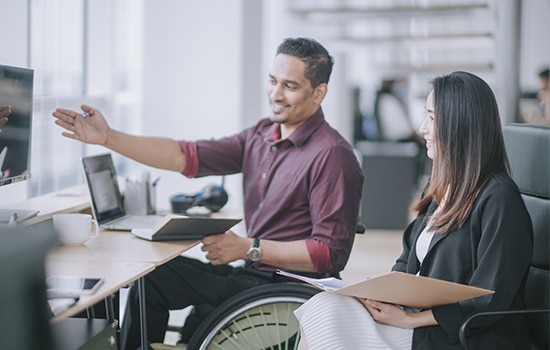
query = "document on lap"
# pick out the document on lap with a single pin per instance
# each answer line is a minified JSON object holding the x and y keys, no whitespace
{"x":328,"y":284}
{"x":399,"y":288}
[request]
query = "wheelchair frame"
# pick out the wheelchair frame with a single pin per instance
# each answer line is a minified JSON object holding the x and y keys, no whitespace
{"x":257,"y":318}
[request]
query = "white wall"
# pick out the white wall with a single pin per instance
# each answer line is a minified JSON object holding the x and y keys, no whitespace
{"x":192,"y":74}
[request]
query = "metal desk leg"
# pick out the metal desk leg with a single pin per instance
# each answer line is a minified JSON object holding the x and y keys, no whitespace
{"x":142,"y":316}
{"x":109,"y":308}
{"x":90,"y":313}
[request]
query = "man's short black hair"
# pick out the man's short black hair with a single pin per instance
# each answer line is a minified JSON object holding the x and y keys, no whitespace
{"x":544,"y":73}
{"x":317,"y":59}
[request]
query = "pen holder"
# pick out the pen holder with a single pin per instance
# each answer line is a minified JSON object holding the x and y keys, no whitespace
{"x":139,"y":197}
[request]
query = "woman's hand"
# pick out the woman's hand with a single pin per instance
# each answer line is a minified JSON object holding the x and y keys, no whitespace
{"x":5,"y":110}
{"x":386,"y":313}
{"x":395,"y":316}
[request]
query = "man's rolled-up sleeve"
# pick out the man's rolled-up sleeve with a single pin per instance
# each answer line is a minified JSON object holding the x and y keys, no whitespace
{"x":319,"y":254}
{"x":189,"y":149}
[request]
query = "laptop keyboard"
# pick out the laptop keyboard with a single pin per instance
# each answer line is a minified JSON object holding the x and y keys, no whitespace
{"x":135,"y":221}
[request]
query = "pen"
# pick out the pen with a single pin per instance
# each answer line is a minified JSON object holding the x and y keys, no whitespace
{"x":13,"y":219}
{"x":154,"y":183}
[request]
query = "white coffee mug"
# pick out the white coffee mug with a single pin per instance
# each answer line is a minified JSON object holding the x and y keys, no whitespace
{"x":74,"y":229}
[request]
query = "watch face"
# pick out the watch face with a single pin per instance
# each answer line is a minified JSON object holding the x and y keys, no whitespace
{"x":254,"y":254}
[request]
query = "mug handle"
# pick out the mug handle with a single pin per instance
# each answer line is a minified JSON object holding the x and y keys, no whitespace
{"x":96,"y":225}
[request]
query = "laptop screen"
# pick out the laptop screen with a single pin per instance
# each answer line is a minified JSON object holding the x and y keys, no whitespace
{"x":103,"y":186}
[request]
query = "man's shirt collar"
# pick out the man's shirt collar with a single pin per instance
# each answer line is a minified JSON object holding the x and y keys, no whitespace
{"x":301,"y":134}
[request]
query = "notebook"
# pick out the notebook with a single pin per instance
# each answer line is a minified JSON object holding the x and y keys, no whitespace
{"x":174,"y":227}
{"x":107,"y":202}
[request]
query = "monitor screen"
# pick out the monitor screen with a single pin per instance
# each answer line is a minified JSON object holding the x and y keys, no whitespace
{"x":16,"y":98}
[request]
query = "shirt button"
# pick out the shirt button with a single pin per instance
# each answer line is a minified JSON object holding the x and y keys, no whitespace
{"x":273,"y":148}
{"x":264,"y":175}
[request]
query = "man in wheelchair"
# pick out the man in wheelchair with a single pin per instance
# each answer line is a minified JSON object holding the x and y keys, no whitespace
{"x":302,"y":187}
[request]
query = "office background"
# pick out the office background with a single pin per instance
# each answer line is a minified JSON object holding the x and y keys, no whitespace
{"x":197,"y":69}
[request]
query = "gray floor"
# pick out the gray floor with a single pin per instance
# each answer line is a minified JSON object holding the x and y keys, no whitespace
{"x":374,"y":253}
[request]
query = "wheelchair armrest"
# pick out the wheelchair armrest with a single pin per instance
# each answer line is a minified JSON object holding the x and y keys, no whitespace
{"x":469,"y":319}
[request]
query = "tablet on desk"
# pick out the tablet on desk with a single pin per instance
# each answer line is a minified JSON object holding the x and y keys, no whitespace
{"x":67,"y":286}
{"x":17,"y":215}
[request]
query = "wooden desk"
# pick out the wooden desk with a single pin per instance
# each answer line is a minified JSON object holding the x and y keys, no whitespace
{"x":123,"y":246}
{"x":118,"y":256}
{"x":117,"y":275}
{"x":70,"y":200}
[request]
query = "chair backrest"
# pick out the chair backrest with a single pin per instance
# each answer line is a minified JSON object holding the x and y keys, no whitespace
{"x":528,"y":149}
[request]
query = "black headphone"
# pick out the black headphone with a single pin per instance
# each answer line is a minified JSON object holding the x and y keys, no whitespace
{"x":212,"y":197}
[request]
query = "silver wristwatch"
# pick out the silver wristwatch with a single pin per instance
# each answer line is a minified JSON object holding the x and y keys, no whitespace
{"x":254,"y":252}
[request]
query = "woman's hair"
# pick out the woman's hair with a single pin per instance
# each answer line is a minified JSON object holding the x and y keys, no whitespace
{"x":469,"y":147}
{"x":317,"y":59}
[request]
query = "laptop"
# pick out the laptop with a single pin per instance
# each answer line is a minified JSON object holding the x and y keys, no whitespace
{"x":107,"y":202}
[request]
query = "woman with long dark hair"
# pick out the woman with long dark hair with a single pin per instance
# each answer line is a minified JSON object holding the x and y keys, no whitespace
{"x":472,"y":228}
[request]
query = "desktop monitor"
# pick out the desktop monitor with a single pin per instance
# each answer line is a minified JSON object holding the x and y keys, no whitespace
{"x":16,"y":99}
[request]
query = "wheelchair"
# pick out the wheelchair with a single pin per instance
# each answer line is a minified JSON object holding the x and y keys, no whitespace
{"x":261,"y":317}
{"x":258,"y":318}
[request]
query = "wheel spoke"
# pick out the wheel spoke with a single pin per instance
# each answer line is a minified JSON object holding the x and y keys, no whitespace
{"x":257,"y":319}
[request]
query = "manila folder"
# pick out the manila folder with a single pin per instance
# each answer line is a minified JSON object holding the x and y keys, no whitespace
{"x":411,"y":290}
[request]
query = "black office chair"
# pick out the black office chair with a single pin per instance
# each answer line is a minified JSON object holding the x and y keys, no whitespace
{"x":528,"y":148}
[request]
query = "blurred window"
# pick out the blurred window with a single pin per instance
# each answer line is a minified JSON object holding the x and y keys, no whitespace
{"x":82,"y":51}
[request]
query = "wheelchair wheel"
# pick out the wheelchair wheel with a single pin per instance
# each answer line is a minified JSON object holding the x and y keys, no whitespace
{"x":258,"y":318}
